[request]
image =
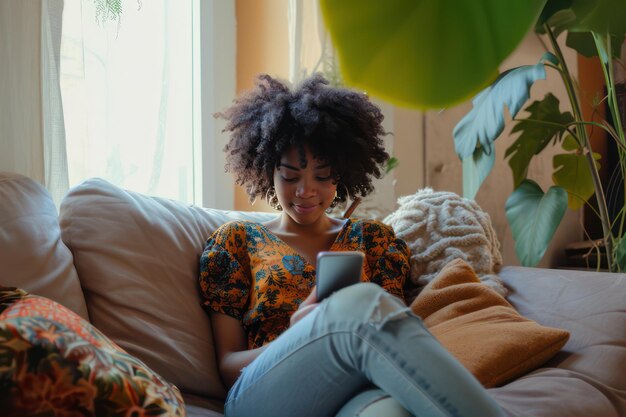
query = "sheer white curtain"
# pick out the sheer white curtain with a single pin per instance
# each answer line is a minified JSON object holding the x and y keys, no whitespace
{"x":21,"y":147}
{"x":53,"y":128}
{"x":31,"y":118}
{"x":139,"y":94}
{"x":310,"y":49}
{"x":127,"y":90}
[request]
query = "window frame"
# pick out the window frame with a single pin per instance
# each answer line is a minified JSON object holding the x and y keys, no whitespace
{"x":214,"y":75}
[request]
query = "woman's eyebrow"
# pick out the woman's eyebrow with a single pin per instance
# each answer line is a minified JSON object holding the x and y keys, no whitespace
{"x":291,"y":167}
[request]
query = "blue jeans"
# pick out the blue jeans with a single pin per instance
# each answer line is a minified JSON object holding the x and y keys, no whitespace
{"x":359,"y":337}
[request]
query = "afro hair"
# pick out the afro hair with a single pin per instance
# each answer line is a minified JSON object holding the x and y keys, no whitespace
{"x":340,"y":127}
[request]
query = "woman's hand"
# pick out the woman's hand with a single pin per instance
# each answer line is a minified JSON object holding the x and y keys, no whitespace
{"x":308,"y":305}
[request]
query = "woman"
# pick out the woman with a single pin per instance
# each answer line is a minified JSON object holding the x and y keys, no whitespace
{"x":280,"y":351}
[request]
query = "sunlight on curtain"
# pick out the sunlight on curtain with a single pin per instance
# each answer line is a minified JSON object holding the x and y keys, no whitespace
{"x":310,"y":49}
{"x":53,"y":130}
{"x":127,"y":96}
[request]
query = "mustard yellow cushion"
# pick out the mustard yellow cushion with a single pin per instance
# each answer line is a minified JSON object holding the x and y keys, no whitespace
{"x":481,"y":329}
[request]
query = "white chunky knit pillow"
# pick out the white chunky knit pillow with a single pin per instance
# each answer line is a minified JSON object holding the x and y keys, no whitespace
{"x":441,"y":226}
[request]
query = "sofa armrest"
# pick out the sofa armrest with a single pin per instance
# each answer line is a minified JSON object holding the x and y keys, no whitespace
{"x":32,"y":255}
{"x":587,"y":376}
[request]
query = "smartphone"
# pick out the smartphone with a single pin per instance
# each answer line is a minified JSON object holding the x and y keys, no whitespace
{"x":336,"y":270}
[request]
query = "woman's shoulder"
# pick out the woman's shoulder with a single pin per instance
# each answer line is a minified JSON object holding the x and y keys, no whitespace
{"x":370,"y":226}
{"x":241,"y":224}
{"x":235,"y":228}
{"x":379,"y":238}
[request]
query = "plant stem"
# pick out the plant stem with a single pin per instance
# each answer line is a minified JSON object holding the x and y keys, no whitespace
{"x":607,"y":69}
{"x":582,"y":133}
{"x":605,"y":53}
{"x":607,"y":129}
{"x":575,"y":123}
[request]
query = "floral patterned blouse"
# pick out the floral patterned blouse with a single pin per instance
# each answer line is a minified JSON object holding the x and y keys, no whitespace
{"x":249,"y":273}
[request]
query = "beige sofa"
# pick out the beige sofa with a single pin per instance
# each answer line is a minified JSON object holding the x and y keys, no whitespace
{"x":129,"y":263}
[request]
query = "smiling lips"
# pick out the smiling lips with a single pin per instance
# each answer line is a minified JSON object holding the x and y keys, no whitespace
{"x":304,"y":209}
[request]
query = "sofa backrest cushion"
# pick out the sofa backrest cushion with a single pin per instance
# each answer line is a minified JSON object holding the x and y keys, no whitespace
{"x":138,"y":261}
{"x":32,"y":254}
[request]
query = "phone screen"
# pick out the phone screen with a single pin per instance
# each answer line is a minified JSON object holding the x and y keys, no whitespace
{"x":336,"y":270}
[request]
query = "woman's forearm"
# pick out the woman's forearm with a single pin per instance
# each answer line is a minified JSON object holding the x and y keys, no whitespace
{"x":232,"y":363}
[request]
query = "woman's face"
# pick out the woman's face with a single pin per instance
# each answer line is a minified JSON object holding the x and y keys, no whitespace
{"x":304,"y":192}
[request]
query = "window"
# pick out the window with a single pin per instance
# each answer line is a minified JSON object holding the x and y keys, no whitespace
{"x":138,"y":94}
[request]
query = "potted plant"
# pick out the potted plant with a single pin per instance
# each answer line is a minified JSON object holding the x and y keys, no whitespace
{"x":435,"y":40}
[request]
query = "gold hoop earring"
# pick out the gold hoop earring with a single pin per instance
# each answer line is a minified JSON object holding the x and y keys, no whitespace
{"x":272,"y":199}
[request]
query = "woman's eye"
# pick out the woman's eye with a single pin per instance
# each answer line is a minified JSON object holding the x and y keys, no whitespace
{"x":292,"y":179}
{"x":326,"y":178}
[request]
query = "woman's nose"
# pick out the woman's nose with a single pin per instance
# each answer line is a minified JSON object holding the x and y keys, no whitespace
{"x":305,"y":189}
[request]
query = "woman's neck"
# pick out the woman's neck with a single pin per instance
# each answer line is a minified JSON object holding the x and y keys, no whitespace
{"x":322,"y":226}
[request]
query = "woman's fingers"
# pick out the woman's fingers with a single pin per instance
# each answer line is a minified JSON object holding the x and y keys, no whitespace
{"x":312,"y":298}
{"x":302,"y":312}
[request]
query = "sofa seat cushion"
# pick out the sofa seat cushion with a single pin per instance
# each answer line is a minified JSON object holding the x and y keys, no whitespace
{"x":32,"y":254}
{"x":481,"y":329}
{"x":138,"y":259}
{"x":53,"y":362}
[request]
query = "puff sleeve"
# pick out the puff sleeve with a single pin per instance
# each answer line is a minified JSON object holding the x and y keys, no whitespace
{"x":388,"y":258}
{"x":225,"y":271}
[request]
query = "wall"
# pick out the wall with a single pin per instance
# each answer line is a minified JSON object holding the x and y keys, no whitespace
{"x":409,"y":148}
{"x":21,"y":145}
{"x":262,"y":47}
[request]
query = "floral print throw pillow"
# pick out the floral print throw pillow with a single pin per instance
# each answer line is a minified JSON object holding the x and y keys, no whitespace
{"x":54,"y":363}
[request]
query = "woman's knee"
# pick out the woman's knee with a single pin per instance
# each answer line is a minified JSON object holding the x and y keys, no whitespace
{"x":364,"y":302}
{"x":359,"y":292}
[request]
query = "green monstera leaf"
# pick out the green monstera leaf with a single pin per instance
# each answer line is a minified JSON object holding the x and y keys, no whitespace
{"x":425,"y":53}
{"x":485,"y":122}
{"x":558,"y":16}
{"x":475,"y":169}
{"x":571,"y":171}
{"x":620,"y":254}
{"x":584,"y":44}
{"x":599,"y":16}
{"x":475,"y":133}
{"x":535,"y":135}
{"x":551,"y":8}
{"x":533,"y":218}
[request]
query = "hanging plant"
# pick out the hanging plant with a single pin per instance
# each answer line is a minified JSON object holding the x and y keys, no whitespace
{"x":108,"y":10}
